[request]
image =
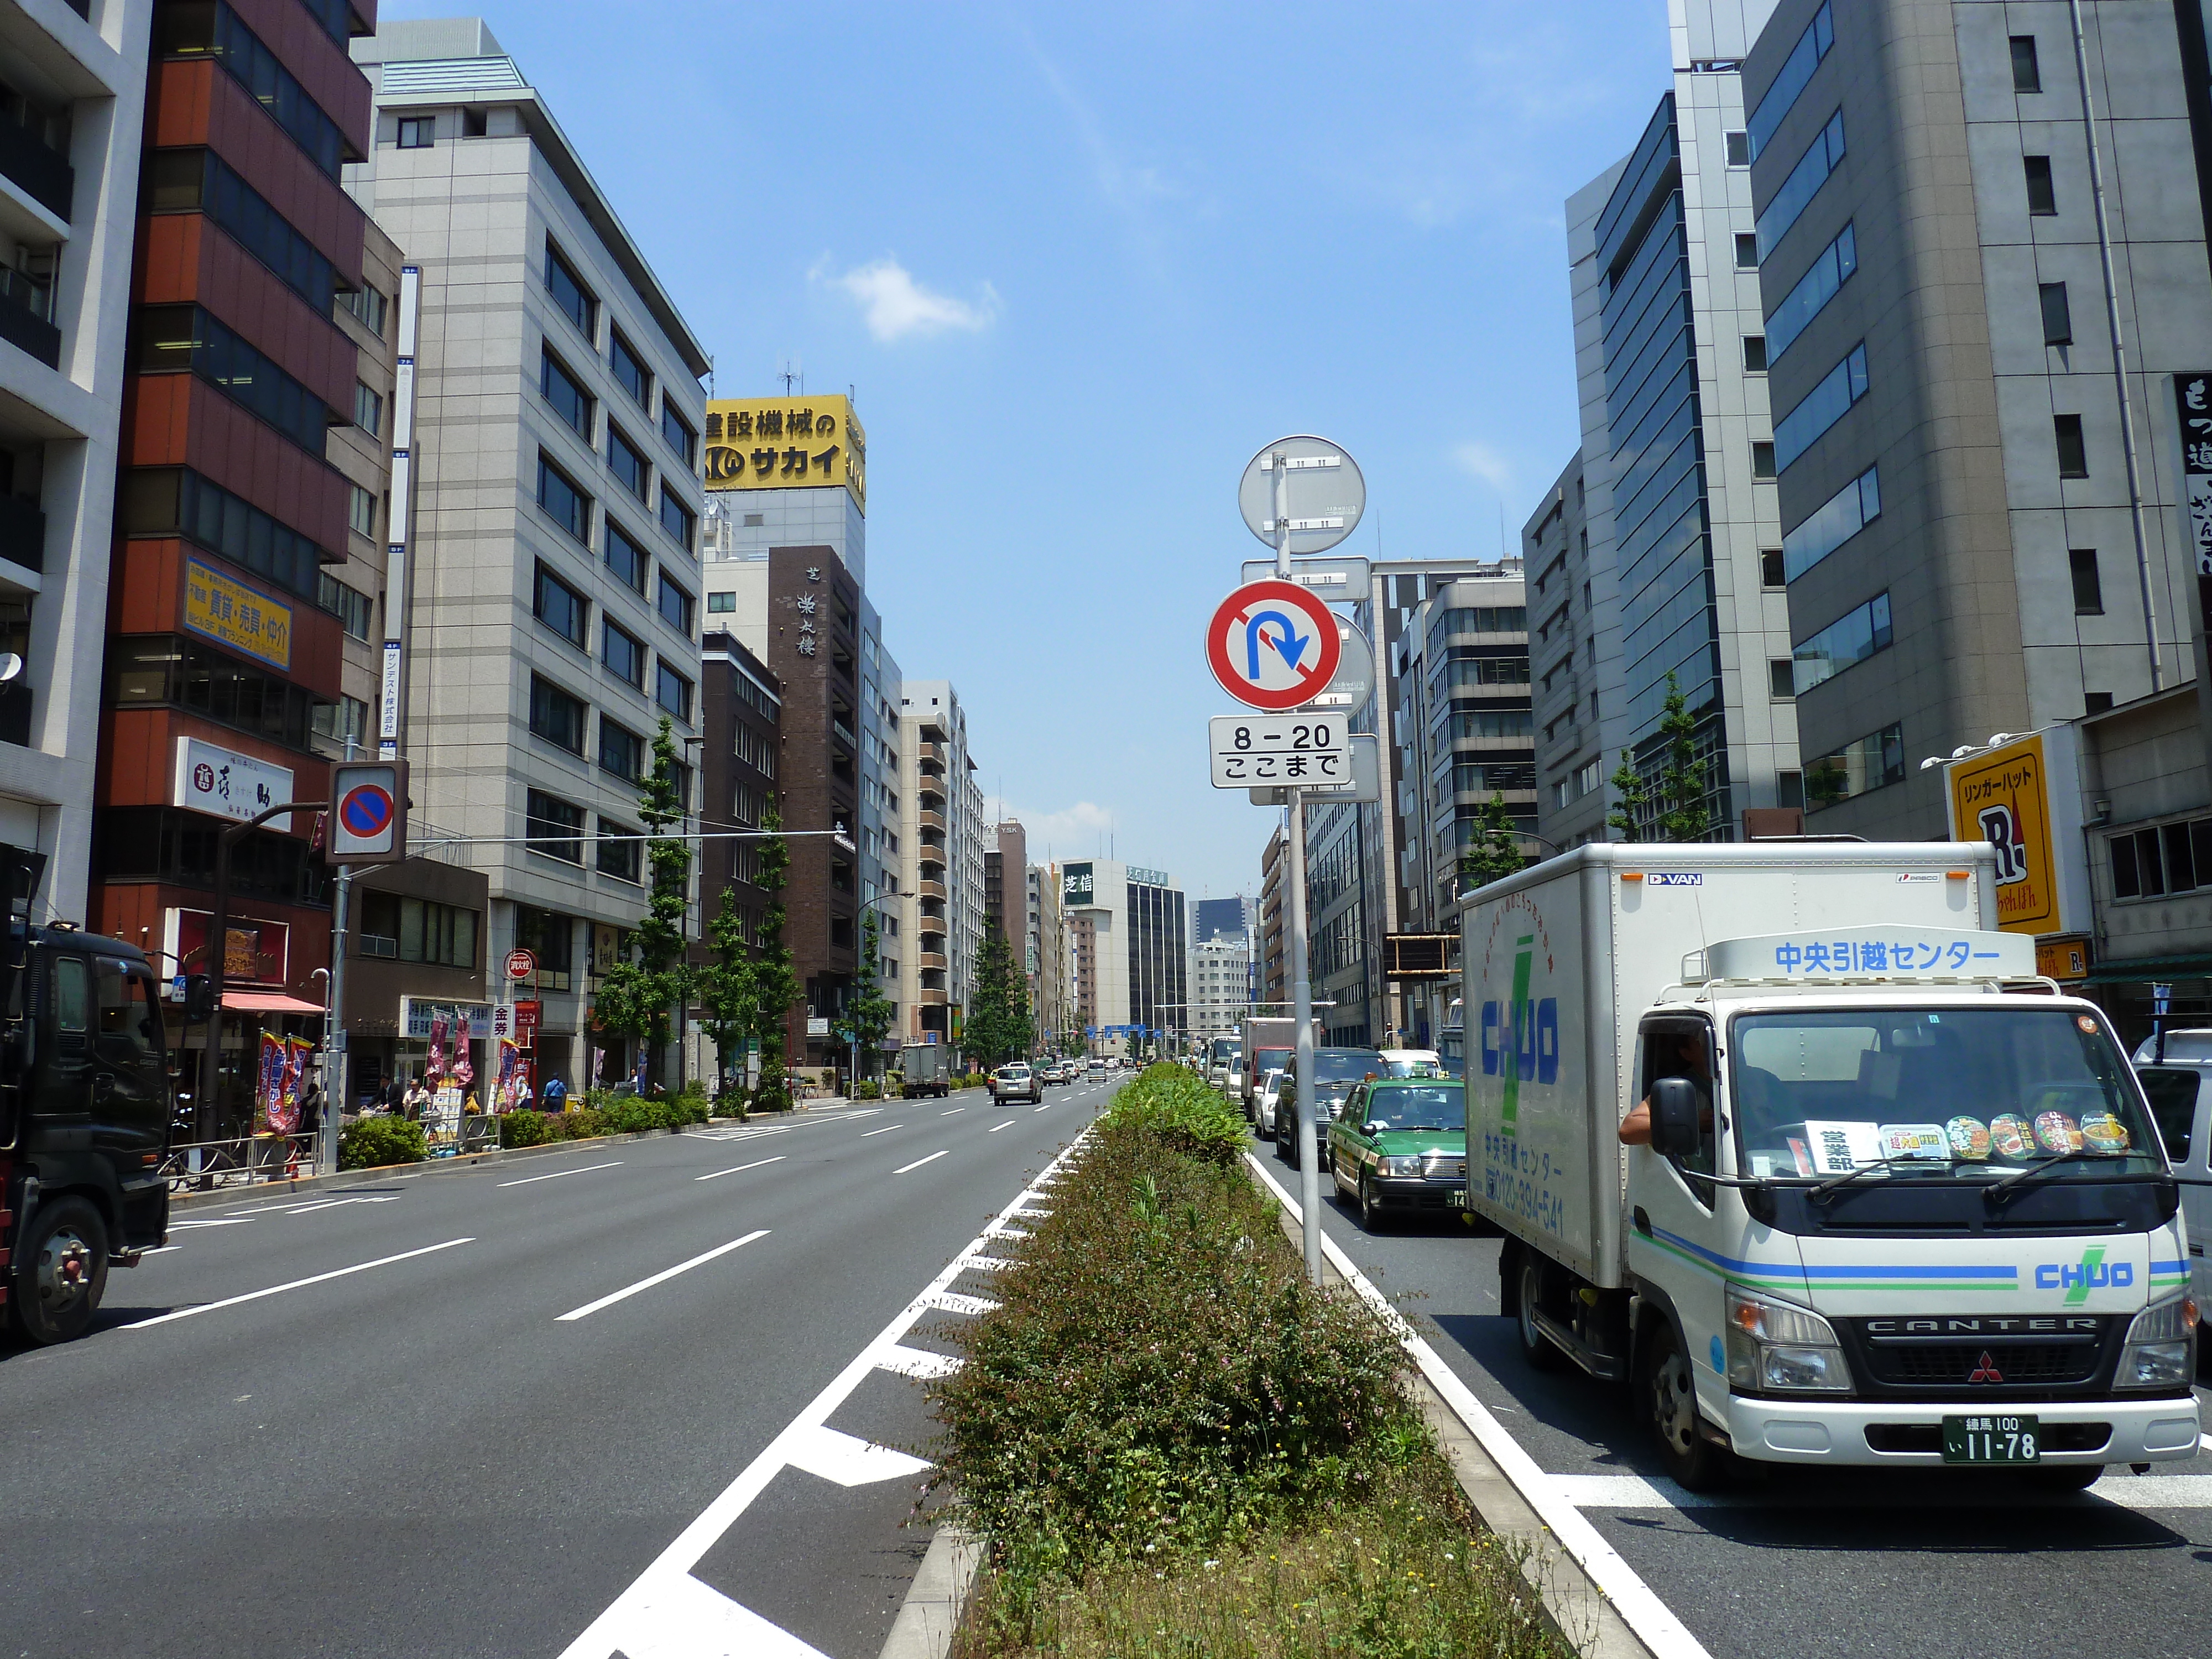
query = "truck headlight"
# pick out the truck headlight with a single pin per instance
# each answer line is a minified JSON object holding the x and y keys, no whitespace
{"x":1775,"y":1344}
{"x":2162,"y":1347}
{"x":1401,"y":1166}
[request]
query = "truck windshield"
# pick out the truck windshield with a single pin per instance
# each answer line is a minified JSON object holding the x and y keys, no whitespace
{"x":1271,"y":1059}
{"x":1954,"y":1093}
{"x":1224,"y":1050}
{"x":1418,"y":1108}
{"x":1345,"y":1064}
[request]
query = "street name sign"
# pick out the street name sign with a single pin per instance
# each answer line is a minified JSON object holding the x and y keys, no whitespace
{"x":1302,"y":749}
{"x":1321,"y":491}
{"x":1273,"y":646}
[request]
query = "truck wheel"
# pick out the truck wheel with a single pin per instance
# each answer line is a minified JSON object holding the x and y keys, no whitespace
{"x":1670,"y":1401}
{"x":1537,"y":1348}
{"x":61,"y":1271}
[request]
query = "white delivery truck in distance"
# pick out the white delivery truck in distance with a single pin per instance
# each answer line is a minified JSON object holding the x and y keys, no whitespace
{"x":1903,"y":1204}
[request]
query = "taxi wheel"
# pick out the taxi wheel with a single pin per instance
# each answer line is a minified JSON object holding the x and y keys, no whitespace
{"x":1370,"y":1213}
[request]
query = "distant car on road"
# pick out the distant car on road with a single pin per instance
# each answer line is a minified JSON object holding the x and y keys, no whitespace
{"x":1017,"y":1082}
{"x":1335,"y":1072}
{"x":1270,"y":1091}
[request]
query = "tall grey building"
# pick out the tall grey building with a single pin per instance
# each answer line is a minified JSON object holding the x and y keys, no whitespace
{"x":941,"y":837}
{"x":1983,"y":518}
{"x":547,"y":609}
{"x":1683,"y":441}
{"x":77,"y":103}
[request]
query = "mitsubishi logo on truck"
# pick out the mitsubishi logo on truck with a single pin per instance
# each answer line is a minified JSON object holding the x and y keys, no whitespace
{"x":1986,"y":1370}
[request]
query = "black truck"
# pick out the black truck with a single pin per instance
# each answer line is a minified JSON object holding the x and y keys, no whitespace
{"x":84,"y":1113}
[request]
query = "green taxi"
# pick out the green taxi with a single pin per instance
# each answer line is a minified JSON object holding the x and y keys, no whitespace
{"x":1400,"y":1145}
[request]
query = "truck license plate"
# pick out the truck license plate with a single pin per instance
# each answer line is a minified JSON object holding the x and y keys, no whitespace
{"x":1996,"y":1439}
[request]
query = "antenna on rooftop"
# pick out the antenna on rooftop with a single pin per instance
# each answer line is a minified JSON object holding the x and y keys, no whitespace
{"x":793,"y":376}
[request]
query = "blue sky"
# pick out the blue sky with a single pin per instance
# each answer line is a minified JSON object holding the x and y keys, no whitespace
{"x":1078,"y":265}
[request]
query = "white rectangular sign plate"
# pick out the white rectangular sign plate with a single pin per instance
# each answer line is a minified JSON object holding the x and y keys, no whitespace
{"x":1340,"y":580}
{"x":230,"y":785}
{"x":1308,"y":749}
{"x":1364,"y":783}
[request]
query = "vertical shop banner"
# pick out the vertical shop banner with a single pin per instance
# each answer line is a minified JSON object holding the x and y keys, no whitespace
{"x":2192,"y":399}
{"x":269,"y":1085}
{"x":463,"y":1067}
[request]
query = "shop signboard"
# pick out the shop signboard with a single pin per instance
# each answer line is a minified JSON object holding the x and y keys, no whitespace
{"x":234,"y":615}
{"x":2024,"y":797}
{"x":230,"y":785}
{"x":785,"y":443}
{"x":255,"y":952}
{"x":525,"y":1022}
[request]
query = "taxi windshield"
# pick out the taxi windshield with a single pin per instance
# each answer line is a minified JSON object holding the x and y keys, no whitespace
{"x":1954,"y":1092}
{"x":1417,"y":1107}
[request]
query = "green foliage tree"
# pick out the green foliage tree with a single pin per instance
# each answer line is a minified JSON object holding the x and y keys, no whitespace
{"x":999,"y":1027}
{"x":868,"y":1011}
{"x":729,"y":994}
{"x":775,"y":985}
{"x":638,"y":993}
{"x":1495,"y":852}
{"x":1673,"y":802}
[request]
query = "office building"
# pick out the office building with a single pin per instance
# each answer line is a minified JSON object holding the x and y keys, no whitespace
{"x":76,"y":102}
{"x":1220,"y":986}
{"x":1006,"y":888}
{"x":941,"y":835}
{"x":553,"y":576}
{"x":1984,"y":522}
{"x":1051,"y":980}
{"x":1686,"y":446}
{"x":1221,"y":918}
{"x":741,"y":763}
{"x":1272,"y":927}
{"x":1131,"y":957}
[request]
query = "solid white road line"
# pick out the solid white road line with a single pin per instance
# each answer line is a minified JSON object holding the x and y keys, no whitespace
{"x":581,"y":1168}
{"x":740,"y":1169}
{"x":1008,"y":1124}
{"x":2204,"y":1442}
{"x":1636,"y":1491}
{"x":1649,"y":1617}
{"x":661,"y":1278}
{"x":240,"y":1221}
{"x":297,"y":1284}
{"x":919,"y":1162}
{"x":885,"y":1130}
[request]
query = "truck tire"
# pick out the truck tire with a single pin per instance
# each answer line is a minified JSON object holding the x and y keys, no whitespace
{"x":1538,"y":1349}
{"x":1669,"y":1403}
{"x":60,"y":1272}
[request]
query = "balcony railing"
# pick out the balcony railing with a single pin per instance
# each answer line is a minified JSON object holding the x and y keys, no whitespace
{"x":22,"y":533}
{"x":46,"y":176}
{"x":23,"y":317}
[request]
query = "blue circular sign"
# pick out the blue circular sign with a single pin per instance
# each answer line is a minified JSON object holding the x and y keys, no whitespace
{"x":365,"y":811}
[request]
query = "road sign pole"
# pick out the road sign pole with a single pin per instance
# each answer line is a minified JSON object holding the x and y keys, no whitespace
{"x":1302,"y":1010}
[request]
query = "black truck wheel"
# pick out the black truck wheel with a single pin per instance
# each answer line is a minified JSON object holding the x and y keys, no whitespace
{"x":1670,"y":1406}
{"x":59,"y":1271}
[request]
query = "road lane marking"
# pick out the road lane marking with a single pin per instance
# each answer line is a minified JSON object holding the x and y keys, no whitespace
{"x":740,"y":1169}
{"x":1008,"y":1124}
{"x":919,"y":1362}
{"x":295,"y":1285}
{"x":660,"y":1278}
{"x":885,"y":1130}
{"x":581,"y":1168}
{"x":956,"y":1108}
{"x":1649,"y":1618}
{"x":664,"y":1609}
{"x":849,"y":1460}
{"x":919,"y":1162}
{"x":1046,"y":1106}
{"x":240,"y":1221}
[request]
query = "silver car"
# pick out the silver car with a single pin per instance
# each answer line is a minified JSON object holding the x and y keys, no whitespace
{"x":1270,"y":1090}
{"x":1017,"y":1082}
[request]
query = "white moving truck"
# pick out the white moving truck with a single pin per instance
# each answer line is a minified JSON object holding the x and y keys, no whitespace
{"x":1904,"y":1204}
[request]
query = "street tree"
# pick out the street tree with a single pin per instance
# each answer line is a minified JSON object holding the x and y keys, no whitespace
{"x":1495,"y":852}
{"x":774,"y":983}
{"x":639,"y":993}
{"x":999,"y":1027}
{"x":868,"y":1011}
{"x":1672,"y":803}
{"x":728,"y":992}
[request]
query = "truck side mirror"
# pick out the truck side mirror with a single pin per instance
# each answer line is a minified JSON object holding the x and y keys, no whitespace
{"x":1675,"y":1111}
{"x":200,"y":999}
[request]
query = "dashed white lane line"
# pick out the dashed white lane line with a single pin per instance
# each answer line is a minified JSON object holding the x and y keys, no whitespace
{"x":885,"y":1130}
{"x":739,"y":1169}
{"x":919,"y":1162}
{"x":1046,"y":1106}
{"x":238,"y":1221}
{"x":295,"y":1285}
{"x":581,"y":1168}
{"x":1008,"y":1124}
{"x":662,"y":1277}
{"x":956,"y":1108}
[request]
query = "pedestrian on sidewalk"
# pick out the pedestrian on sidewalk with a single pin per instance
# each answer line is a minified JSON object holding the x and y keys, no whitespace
{"x":557,"y":1095}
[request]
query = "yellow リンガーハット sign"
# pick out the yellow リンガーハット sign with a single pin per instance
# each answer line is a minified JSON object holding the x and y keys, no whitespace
{"x":2004,"y":797}
{"x":785,"y":443}
{"x":231,"y":613}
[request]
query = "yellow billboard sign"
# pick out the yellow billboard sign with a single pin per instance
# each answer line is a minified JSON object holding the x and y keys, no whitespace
{"x":231,"y":613}
{"x":2004,"y":797}
{"x":785,"y":443}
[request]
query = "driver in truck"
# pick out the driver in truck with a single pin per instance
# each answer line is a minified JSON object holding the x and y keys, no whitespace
{"x":1689,"y":1061}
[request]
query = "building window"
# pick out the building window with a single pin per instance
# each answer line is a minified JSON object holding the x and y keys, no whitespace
{"x":1833,"y":523}
{"x":1762,"y":460}
{"x":2096,"y":703}
{"x":415,"y":930}
{"x":568,"y":506}
{"x":353,"y":609}
{"x":621,"y":751}
{"x":625,"y":463}
{"x":556,"y":716}
{"x":719,"y":605}
{"x":2172,"y":858}
{"x":550,"y":936}
{"x":2026,"y":72}
{"x":623,"y":654}
{"x":215,"y":31}
{"x":1872,"y":763}
{"x":361,"y":513}
{"x":2057,"y":315}
{"x":1851,"y":639}
{"x":368,"y":409}
{"x":368,"y":308}
{"x":1822,"y":157}
{"x":1780,"y":678}
{"x":680,"y":437}
{"x":1754,"y":354}
{"x":673,"y":692}
{"x":198,"y":180}
{"x":1789,"y":81}
{"x":561,"y":609}
{"x":677,"y":519}
{"x":2042,"y":194}
{"x":621,"y":854}
{"x":555,"y":828}
{"x":676,"y":606}
{"x":625,"y":557}
{"x":1838,"y":393}
{"x":177,"y":501}
{"x":1770,"y":568}
{"x":1834,"y":265}
{"x":418,"y":131}
{"x":574,"y":300}
{"x":1747,"y":251}
{"x":566,"y":393}
{"x":342,"y":721}
{"x":1738,"y":149}
{"x":2088,"y":589}
{"x":173,"y":338}
{"x":2072,"y":449}
{"x":630,"y":373}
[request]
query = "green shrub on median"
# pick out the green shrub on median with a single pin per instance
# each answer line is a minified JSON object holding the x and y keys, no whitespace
{"x":370,"y":1143}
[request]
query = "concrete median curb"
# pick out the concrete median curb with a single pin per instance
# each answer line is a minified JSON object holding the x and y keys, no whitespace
{"x":930,"y":1613}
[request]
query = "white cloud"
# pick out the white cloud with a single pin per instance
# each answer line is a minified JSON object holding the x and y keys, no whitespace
{"x":893,"y":305}
{"x":1074,"y":832}
{"x":1478,"y":460}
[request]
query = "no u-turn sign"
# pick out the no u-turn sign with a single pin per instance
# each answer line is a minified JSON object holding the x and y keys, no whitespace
{"x":1273,"y":645}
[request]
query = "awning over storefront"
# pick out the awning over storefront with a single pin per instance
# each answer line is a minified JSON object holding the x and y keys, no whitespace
{"x":266,"y":1002}
{"x":2151,"y":967}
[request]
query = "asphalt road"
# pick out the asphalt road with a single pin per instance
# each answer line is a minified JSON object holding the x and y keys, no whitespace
{"x":1819,"y":1564}
{"x":659,"y":1387}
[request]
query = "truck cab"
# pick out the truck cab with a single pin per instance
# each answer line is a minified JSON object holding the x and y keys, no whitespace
{"x":2177,"y":1080}
{"x":85,"y":1108}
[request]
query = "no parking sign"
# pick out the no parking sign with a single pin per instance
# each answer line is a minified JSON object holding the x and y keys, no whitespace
{"x":369,"y":811}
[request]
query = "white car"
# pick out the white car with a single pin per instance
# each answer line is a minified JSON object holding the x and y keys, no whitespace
{"x":1271,"y":1087}
{"x":1017,"y":1082}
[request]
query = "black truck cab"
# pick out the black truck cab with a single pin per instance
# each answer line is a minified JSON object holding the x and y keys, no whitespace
{"x":84,"y":1123}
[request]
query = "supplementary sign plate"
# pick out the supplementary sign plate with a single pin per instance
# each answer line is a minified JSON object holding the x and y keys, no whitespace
{"x":1257,"y":749}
